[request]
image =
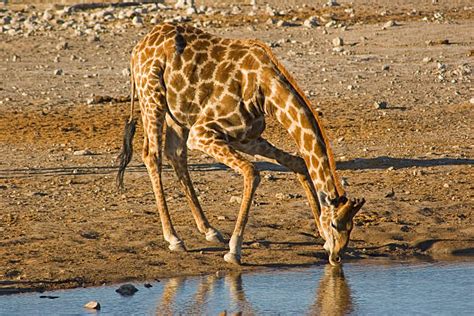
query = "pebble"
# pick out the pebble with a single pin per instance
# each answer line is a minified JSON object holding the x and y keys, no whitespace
{"x":235,"y":199}
{"x":380,"y":105}
{"x":62,"y":45}
{"x":389,"y":24}
{"x":58,"y":72}
{"x":222,"y":218}
{"x":471,"y":100}
{"x":338,"y":41}
{"x":280,"y":196}
{"x":93,"y":38}
{"x":385,"y":67}
{"x":427,"y":59}
{"x":92,"y":305}
{"x":126,"y":290}
{"x":137,"y":21}
{"x":84,"y":152}
{"x":311,"y":22}
{"x":126,"y":72}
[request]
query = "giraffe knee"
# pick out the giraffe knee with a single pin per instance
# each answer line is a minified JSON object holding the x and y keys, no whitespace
{"x":251,"y":172}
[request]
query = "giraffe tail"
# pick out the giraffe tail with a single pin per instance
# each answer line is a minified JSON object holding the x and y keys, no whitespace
{"x":126,"y":154}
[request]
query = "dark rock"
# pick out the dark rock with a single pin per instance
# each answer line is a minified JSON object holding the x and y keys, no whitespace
{"x":126,"y":290}
{"x":90,"y":234}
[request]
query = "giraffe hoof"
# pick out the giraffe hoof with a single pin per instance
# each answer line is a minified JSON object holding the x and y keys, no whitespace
{"x":214,"y":236}
{"x":177,"y":247}
{"x":232,"y":258}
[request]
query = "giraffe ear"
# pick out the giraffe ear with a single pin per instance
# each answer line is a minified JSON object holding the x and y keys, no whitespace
{"x":348,"y":210}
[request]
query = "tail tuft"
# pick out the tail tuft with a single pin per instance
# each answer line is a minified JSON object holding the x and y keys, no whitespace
{"x":126,"y":154}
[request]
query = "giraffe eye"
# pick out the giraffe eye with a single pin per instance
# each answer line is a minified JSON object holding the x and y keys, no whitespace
{"x":333,"y":225}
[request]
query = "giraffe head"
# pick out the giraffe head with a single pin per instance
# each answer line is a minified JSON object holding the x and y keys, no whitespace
{"x":337,"y":224}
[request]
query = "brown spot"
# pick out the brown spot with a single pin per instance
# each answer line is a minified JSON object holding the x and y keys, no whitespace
{"x":218,"y":52}
{"x":223,"y":71}
{"x":201,"y":45}
{"x":207,"y":70}
{"x":249,"y":63}
{"x":204,"y":92}
{"x":178,"y":82}
{"x":293,"y":113}
{"x":228,"y":102}
{"x":308,"y":140}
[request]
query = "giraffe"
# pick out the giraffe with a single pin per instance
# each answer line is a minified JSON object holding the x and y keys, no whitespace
{"x":212,"y":94}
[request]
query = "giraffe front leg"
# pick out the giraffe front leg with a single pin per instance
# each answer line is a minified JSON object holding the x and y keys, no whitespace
{"x":209,"y":142}
{"x":152,"y":157}
{"x":265,"y":149}
{"x":176,"y":152}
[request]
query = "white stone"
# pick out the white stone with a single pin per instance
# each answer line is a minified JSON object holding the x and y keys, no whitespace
{"x":92,"y":305}
{"x":137,"y":21}
{"x":311,"y":22}
{"x":338,"y":41}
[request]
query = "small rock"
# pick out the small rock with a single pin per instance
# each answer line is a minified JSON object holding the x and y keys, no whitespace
{"x":338,"y":42}
{"x":385,"y":67}
{"x":92,"y":305}
{"x":280,"y":196}
{"x":390,"y":194}
{"x":126,"y":72}
{"x":311,"y":22}
{"x":405,"y":228}
{"x":137,"y":21}
{"x":427,"y":59}
{"x":235,"y":199}
{"x":93,"y":38}
{"x":62,"y":45}
{"x":126,"y":290}
{"x":15,"y":58}
{"x":471,"y":100}
{"x":282,"y":23}
{"x":446,"y":185}
{"x":148,"y":285}
{"x":191,"y":11}
{"x":58,"y":72}
{"x":84,"y":152}
{"x":390,"y":23}
{"x":332,"y":3}
{"x":269,"y":177}
{"x":380,"y":105}
{"x":222,"y":218}
{"x":90,"y":234}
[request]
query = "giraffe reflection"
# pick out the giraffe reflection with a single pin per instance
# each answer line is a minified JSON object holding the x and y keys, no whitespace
{"x":205,"y":290}
{"x":333,"y":296}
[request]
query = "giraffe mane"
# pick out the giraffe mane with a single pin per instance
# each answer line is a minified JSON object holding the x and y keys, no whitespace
{"x":294,"y":85}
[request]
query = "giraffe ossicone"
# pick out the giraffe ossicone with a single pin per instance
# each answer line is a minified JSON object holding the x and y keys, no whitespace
{"x":212,"y":94}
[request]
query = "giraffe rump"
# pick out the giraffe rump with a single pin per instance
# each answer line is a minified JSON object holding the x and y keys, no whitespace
{"x":126,"y":154}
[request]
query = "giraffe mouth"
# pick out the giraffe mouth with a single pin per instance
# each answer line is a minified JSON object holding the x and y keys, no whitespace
{"x":335,"y":260}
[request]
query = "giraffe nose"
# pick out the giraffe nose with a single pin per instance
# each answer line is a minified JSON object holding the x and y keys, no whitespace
{"x":338,"y":259}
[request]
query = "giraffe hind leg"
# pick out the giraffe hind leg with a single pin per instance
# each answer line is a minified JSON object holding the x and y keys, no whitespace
{"x":176,"y":152}
{"x":153,"y":116}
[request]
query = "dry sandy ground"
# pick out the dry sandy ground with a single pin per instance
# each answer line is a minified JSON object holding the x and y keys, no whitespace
{"x":63,"y":224}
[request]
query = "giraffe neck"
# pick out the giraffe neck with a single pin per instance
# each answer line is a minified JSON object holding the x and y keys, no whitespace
{"x":293,"y":111}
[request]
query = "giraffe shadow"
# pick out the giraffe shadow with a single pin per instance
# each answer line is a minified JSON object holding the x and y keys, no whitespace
{"x":384,"y":162}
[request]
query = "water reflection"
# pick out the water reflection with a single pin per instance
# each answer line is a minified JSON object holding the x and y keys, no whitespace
{"x":332,"y":295}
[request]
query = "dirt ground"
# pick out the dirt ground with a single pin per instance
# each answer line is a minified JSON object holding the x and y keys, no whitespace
{"x":63,"y":223}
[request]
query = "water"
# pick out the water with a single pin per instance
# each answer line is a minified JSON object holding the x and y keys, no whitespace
{"x":358,"y":289}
